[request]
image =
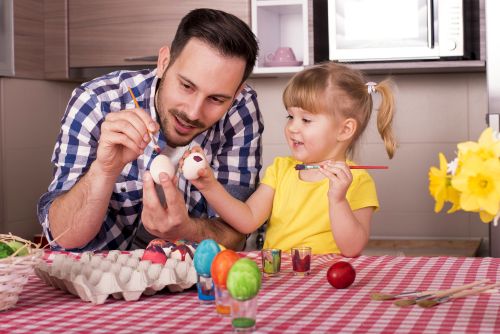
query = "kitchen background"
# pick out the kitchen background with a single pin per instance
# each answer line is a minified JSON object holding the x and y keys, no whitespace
{"x":436,"y":109}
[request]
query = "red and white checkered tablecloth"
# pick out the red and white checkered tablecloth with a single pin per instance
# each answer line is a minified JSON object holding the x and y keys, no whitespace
{"x":286,"y":303}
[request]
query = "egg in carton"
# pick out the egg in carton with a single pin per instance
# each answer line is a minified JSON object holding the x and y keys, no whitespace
{"x":94,"y":277}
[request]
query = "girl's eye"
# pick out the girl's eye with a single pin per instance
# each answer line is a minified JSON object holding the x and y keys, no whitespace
{"x":306,"y":120}
{"x":289,"y":117}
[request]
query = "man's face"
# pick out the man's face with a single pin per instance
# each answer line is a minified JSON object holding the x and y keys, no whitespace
{"x":196,"y":91}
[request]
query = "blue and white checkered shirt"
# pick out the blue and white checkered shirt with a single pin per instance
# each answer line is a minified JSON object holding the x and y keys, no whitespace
{"x":232,"y":146}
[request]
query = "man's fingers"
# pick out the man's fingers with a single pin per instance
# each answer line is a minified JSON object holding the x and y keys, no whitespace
{"x":150,"y":199}
{"x":121,"y":139}
{"x":169,"y":189}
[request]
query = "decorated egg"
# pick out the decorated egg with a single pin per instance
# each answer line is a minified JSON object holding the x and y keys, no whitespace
{"x":182,"y":252}
{"x":159,"y":242}
{"x":221,"y":264}
{"x":204,"y":255}
{"x":161,"y":164}
{"x":192,"y":164}
{"x":155,"y":254}
{"x":244,"y":279}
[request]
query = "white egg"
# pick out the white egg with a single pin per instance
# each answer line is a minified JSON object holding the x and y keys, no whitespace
{"x":161,"y":164}
{"x":192,"y":164}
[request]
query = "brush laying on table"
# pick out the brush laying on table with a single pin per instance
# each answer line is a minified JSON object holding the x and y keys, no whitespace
{"x":433,"y":302}
{"x":305,"y":166}
{"x":438,"y":294}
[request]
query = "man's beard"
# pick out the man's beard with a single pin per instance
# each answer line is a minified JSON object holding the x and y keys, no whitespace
{"x":175,"y":113}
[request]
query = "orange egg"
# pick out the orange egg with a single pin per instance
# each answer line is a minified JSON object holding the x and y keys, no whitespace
{"x":221,"y":264}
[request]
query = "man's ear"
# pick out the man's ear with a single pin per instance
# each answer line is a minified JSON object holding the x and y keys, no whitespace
{"x":163,"y":61}
{"x":347,"y":129}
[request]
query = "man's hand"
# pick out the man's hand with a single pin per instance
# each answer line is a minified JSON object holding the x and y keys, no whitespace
{"x":171,"y":222}
{"x":124,"y":135}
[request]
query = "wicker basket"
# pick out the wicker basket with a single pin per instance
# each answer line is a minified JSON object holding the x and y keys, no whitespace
{"x":14,"y":273}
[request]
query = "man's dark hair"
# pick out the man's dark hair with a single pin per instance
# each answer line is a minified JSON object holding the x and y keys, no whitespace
{"x":223,"y":31}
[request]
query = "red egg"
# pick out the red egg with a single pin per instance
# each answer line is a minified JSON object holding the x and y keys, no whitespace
{"x":221,"y":264}
{"x":155,"y":254}
{"x":160,"y":242}
{"x":341,"y":275}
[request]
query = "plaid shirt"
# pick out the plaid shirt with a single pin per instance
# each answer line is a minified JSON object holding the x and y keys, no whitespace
{"x":232,"y":146}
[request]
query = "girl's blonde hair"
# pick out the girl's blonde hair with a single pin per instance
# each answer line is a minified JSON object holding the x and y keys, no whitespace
{"x":342,"y":91}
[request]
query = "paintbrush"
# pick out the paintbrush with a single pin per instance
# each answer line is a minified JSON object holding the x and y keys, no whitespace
{"x":305,"y":166}
{"x":433,"y":302}
{"x":438,"y":294}
{"x":155,"y":143}
{"x":388,"y":296}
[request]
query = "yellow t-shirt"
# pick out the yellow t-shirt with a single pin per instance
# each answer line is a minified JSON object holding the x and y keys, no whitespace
{"x":300,"y":214}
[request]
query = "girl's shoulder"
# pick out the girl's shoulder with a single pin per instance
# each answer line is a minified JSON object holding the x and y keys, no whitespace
{"x":284,"y":163}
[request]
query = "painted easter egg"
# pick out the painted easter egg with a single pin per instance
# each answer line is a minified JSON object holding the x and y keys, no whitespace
{"x":204,"y":255}
{"x":161,"y":164}
{"x":155,"y":254}
{"x":244,"y":279}
{"x":192,"y":164}
{"x":221,"y":264}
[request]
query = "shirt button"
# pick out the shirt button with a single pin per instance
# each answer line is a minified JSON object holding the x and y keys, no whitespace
{"x":123,"y":189}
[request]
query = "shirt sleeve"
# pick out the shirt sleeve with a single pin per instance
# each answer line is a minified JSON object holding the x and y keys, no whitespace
{"x":362,"y":193}
{"x":75,"y":149}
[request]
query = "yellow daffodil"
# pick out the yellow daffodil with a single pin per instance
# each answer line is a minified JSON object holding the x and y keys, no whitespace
{"x":487,"y":147}
{"x":479,"y":184}
{"x":440,"y":186}
{"x":471,"y":181}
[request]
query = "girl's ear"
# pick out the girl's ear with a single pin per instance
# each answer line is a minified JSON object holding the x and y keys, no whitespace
{"x":347,"y":129}
{"x":163,"y":61}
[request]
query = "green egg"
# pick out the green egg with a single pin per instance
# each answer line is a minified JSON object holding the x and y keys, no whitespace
{"x":244,"y":279}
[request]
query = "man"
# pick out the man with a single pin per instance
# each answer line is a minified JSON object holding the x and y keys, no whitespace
{"x":103,"y":197}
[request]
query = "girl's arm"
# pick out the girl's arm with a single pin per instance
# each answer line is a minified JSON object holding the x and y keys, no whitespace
{"x":351,"y":229}
{"x":245,"y":217}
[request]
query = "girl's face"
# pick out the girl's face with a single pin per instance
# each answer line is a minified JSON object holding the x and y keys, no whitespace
{"x":312,"y":138}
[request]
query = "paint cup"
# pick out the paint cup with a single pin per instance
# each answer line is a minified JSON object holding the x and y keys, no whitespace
{"x":271,"y":261}
{"x":244,"y":314}
{"x":222,"y":301}
{"x":301,"y":260}
{"x":206,"y":291}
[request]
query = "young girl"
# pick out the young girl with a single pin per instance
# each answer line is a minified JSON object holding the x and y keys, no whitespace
{"x":329,"y":208}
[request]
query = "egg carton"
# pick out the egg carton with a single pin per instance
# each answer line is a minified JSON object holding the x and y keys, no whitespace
{"x":94,"y":277}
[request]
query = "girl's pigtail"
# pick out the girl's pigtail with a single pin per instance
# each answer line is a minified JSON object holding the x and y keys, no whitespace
{"x":385,"y":116}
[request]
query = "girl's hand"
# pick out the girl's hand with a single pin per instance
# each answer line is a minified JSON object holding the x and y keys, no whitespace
{"x":206,"y":176}
{"x":340,"y":179}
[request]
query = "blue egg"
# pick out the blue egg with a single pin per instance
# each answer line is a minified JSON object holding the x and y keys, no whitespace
{"x":204,"y":255}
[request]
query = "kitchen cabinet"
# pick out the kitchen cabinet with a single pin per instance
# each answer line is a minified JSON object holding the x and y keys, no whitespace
{"x":282,"y":24}
{"x":22,"y":30}
{"x":127,"y":33}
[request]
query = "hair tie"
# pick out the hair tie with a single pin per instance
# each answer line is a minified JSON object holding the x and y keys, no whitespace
{"x":371,"y":87}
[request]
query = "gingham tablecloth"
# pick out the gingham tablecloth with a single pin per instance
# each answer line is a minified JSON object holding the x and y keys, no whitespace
{"x":286,"y":303}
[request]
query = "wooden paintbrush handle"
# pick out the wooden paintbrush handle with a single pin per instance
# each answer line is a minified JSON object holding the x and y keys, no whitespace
{"x":474,"y":291}
{"x":447,"y":292}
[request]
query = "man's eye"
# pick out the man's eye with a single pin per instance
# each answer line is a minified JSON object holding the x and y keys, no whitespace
{"x":185,"y":85}
{"x":217,"y":100}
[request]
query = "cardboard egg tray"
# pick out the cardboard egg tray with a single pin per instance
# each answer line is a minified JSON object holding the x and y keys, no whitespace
{"x":94,"y":277}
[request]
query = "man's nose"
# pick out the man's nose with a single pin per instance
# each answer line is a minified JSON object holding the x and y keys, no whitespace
{"x":196,"y":107}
